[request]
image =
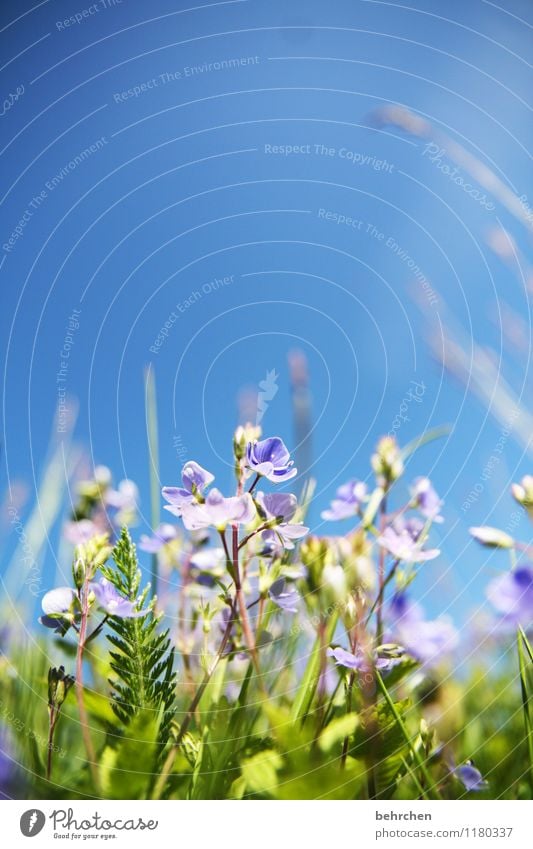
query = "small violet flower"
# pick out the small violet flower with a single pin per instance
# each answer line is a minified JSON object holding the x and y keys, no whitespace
{"x":195,"y":479}
{"x":470,"y":777}
{"x":218,"y":511}
{"x":285,"y":595}
{"x":280,"y":507}
{"x":124,"y":498}
{"x":361,"y":661}
{"x":402,"y":546}
{"x":425,"y":640}
{"x":426,"y":499}
{"x":270,"y":458}
{"x":512,"y":596}
{"x":347,"y":502}
{"x":81,"y":532}
{"x":206,"y":565}
{"x":163,"y":534}
{"x":60,"y":608}
{"x":111,"y":602}
{"x":413,"y":525}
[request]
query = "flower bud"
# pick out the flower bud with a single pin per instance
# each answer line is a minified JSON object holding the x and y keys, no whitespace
{"x":390,"y":650}
{"x":523,"y":492}
{"x":93,"y":554}
{"x":314,"y":554}
{"x":58,"y":686}
{"x":78,"y":572}
{"x":334,"y":583}
{"x":492,"y":537}
{"x":241,"y":438}
{"x":387,"y":461}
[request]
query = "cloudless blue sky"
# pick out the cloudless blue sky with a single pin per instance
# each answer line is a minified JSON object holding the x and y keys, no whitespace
{"x":181,"y":191}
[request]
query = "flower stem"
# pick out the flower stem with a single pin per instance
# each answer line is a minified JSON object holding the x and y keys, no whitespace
{"x":381,"y":574}
{"x":379,"y":598}
{"x":51,"y":728}
{"x":171,"y":757}
{"x":243,"y":612}
{"x":254,"y":483}
{"x":84,"y":720}
{"x":348,"y":711}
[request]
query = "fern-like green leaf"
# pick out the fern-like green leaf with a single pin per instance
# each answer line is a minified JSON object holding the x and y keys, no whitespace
{"x":141,"y":657}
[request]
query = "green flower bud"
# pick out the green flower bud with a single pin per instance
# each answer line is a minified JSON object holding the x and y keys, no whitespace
{"x":387,"y":462}
{"x":92,"y":554}
{"x":58,"y":686}
{"x":314,"y":554}
{"x":523,"y":492}
{"x":241,"y":438}
{"x":78,"y":572}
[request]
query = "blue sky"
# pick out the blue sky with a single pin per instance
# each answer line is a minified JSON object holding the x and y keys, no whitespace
{"x":196,"y":156}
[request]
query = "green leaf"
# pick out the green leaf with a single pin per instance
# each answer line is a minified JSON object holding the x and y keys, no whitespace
{"x":337,"y":730}
{"x":259,"y":772}
{"x":126,"y":768}
{"x":142,"y":659}
{"x":99,"y":706}
{"x":153,"y":452}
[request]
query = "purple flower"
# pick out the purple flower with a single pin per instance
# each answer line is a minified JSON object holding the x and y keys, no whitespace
{"x":512,"y":596}
{"x":426,"y":499}
{"x":285,"y":534}
{"x":7,"y":765}
{"x":208,"y":559}
{"x":361,"y":660}
{"x":277,"y":505}
{"x":413,"y":525}
{"x":402,"y":546}
{"x":80,"y":532}
{"x":280,"y":506}
{"x":195,"y":479}
{"x":206,"y":565}
{"x":124,"y":498}
{"x":61,"y":609}
{"x":218,"y":511}
{"x":470,"y":777}
{"x":109,"y":599}
{"x":348,"y":501}
{"x":271,"y":459}
{"x":285,"y":595}
{"x":425,"y":640}
{"x":163,"y":534}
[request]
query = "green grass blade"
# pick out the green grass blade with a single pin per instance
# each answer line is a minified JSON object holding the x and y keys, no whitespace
{"x":429,"y":436}
{"x":309,"y":682}
{"x":525,"y":700}
{"x":153,"y":454}
{"x":526,"y":643}
{"x":412,"y":748}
